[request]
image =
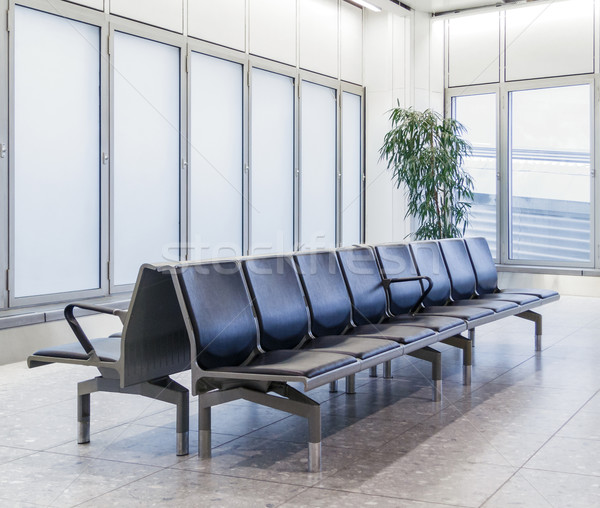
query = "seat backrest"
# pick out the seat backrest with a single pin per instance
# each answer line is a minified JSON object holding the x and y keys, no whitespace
{"x":483,"y":264}
{"x":361,"y":273}
{"x":429,"y":262}
{"x":220,"y":311}
{"x":460,"y":270}
{"x":328,"y":299}
{"x":154,"y":342}
{"x":397,"y":262}
{"x":278,"y":301}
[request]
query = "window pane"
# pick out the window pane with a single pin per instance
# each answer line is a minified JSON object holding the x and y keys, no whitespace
{"x":550,"y":174}
{"x":146,"y":154}
{"x":478,"y":114}
{"x":216,"y":158}
{"x":272,"y":163}
{"x":56,"y":155}
{"x":318,"y":171}
{"x":351,"y":168}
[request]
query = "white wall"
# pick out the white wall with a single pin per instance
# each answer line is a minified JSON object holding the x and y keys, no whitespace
{"x":386,"y":77}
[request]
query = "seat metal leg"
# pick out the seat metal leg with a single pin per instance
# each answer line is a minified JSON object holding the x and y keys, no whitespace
{"x":387,"y":370}
{"x":333,"y":387}
{"x":373,"y":371}
{"x":466,"y":345}
{"x":434,"y":357}
{"x":83,"y":418}
{"x":530,"y":315}
{"x":351,"y":384}
{"x":472,"y":336}
{"x":204,"y":431}
{"x":314,"y":439}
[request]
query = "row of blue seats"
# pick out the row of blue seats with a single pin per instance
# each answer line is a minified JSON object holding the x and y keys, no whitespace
{"x":248,"y":327}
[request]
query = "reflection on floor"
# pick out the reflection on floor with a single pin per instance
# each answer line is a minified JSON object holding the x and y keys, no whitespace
{"x":527,"y":433}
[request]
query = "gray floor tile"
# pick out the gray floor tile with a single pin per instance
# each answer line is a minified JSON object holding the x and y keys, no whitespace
{"x":48,"y":478}
{"x":525,"y":433}
{"x":318,"y":498}
{"x":544,"y":489}
{"x":568,"y":455}
{"x":189,"y":488}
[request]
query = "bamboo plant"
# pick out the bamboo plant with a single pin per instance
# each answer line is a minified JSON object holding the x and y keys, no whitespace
{"x":425,"y":153}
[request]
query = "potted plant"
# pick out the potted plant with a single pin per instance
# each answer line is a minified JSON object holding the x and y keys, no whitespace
{"x":426,"y":152}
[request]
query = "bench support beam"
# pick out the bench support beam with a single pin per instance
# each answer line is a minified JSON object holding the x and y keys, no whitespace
{"x":530,"y":315}
{"x":290,"y":400}
{"x":434,"y":357}
{"x":164,"y":389}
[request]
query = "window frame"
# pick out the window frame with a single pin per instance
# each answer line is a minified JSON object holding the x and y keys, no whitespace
{"x":161,"y":36}
{"x":234,"y":56}
{"x":358,"y":90}
{"x":503,"y":190}
{"x":82,"y":15}
{"x":108,"y":24}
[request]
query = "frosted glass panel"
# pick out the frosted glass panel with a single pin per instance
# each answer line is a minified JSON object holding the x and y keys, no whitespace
{"x":272,"y":163}
{"x":474,"y":48}
{"x":56,"y":154}
{"x":478,"y":114}
{"x":351,"y":168}
{"x":318,"y":167}
{"x":549,"y":164}
{"x":216,"y":170}
{"x":146,"y":154}
{"x":550,"y":39}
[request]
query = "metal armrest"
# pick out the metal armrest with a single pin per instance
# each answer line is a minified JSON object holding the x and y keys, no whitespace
{"x":76,"y":327}
{"x":388,"y":282}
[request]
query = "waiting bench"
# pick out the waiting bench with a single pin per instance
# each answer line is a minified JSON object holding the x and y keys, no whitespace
{"x":153,"y":346}
{"x":248,"y":327}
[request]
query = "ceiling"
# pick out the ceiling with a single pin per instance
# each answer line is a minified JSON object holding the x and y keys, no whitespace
{"x":448,"y":5}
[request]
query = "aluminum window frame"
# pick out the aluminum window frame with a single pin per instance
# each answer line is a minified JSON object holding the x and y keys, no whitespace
{"x":231,"y":55}
{"x":332,"y":83}
{"x":503,"y":195}
{"x":264,"y":64}
{"x":4,"y":161}
{"x":347,"y":87}
{"x":179,"y":41}
{"x":79,"y":14}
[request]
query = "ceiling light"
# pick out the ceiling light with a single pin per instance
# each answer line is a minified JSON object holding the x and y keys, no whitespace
{"x":366,"y":5}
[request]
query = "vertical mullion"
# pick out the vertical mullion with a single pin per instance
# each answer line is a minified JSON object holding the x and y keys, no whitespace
{"x":184,"y":155}
{"x":297,"y":160}
{"x":6,"y":110}
{"x":111,"y":172}
{"x":504,"y":184}
{"x":339,"y":192}
{"x":105,"y":158}
{"x":246,"y":158}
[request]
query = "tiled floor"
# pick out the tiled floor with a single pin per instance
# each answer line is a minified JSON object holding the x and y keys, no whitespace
{"x":526,"y":433}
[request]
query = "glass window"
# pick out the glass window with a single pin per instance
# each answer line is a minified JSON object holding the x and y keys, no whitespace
{"x":216,"y":169}
{"x":549,"y":162}
{"x":318,"y":166}
{"x":351,"y":169}
{"x":271,"y":163}
{"x":146,"y":154}
{"x":56,"y":154}
{"x":478,"y":114}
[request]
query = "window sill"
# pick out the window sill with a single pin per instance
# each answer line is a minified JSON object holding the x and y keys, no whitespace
{"x":576,"y":272}
{"x":44,"y":314}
